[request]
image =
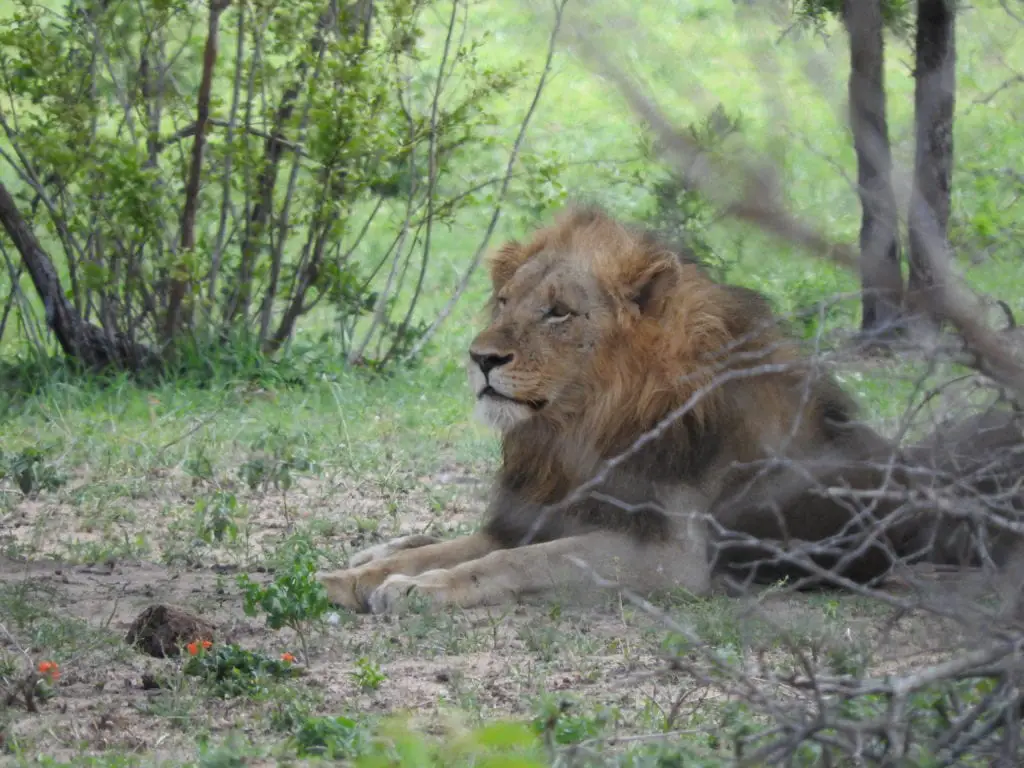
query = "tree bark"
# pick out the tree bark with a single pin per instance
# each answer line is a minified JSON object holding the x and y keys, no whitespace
{"x":81,"y":341}
{"x":934,"y":102}
{"x":354,"y":18}
{"x":178,"y":293}
{"x":881,"y":279}
{"x":274,"y":149}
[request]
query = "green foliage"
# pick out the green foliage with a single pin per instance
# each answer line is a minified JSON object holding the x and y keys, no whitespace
{"x":199,"y":466}
{"x":394,"y":743}
{"x":810,"y":303}
{"x":86,"y":761}
{"x":295,"y":598}
{"x":31,"y":470}
{"x":368,"y":674}
{"x":568,"y":720}
{"x":681,"y":214}
{"x":229,"y":670}
{"x":276,"y":456}
{"x":234,"y":752}
{"x":896,"y":14}
{"x":496,"y":745}
{"x":334,"y":738}
{"x":988,"y":221}
{"x":217,"y":518}
{"x":320,"y":145}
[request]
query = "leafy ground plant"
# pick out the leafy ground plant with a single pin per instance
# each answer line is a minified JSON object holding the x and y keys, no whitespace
{"x":333,"y":738}
{"x":230,"y":670}
{"x":31,"y":470}
{"x":368,"y":674}
{"x":295,"y":598}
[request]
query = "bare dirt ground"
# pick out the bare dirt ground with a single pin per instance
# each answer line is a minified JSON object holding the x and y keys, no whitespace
{"x":475,"y":664}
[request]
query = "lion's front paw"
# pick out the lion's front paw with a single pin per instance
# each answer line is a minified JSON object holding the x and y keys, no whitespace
{"x":399,"y":592}
{"x":388,"y":548}
{"x":352,"y":588}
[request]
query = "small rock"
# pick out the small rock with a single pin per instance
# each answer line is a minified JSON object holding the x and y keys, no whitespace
{"x":162,"y":630}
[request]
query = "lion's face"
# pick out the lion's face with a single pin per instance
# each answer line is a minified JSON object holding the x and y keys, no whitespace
{"x":571,"y":311}
{"x":547,"y":320}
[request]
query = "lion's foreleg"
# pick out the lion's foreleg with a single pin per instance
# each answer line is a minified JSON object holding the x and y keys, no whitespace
{"x":572,"y":562}
{"x":352,"y":587}
{"x":388,"y":548}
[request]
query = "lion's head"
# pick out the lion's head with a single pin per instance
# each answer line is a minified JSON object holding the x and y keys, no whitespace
{"x":593,"y":323}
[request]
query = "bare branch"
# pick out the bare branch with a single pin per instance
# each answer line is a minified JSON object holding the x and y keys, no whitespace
{"x":559,"y":8}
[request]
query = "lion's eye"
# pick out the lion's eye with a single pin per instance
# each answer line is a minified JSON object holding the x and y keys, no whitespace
{"x":558,"y":313}
{"x":502,"y":301}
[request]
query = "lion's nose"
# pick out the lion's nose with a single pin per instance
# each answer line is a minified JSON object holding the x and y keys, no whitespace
{"x":488,"y":361}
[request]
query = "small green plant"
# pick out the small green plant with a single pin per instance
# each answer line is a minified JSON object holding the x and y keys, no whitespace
{"x":199,"y":467}
{"x":234,"y":671}
{"x":30,"y":471}
{"x":217,"y":518}
{"x":334,"y":738}
{"x":368,"y":674}
{"x":564,"y":720}
{"x":541,"y":639}
{"x":275,"y":458}
{"x":295,"y":598}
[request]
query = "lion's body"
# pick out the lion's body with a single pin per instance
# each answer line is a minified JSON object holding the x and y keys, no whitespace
{"x":597,"y":334}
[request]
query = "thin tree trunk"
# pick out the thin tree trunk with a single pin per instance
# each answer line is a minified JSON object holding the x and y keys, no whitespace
{"x":229,"y":138}
{"x":277,"y":258}
{"x":274,"y":149}
{"x":881,"y":279}
{"x":179,"y":286}
{"x":79,"y":340}
{"x":934,"y":102}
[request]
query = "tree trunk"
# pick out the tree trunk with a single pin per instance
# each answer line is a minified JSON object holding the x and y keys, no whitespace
{"x":934,"y":100}
{"x":81,"y":341}
{"x":881,"y":279}
{"x":274,"y":148}
{"x":179,"y":286}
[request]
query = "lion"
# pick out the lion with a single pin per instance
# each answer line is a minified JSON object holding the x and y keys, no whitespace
{"x":615,"y":361}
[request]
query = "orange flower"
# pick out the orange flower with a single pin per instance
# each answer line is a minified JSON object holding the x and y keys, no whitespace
{"x":50,"y":669}
{"x":287,"y":658}
{"x":194,"y":646}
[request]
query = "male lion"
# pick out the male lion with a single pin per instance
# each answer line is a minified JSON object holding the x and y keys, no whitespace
{"x":598,"y":332}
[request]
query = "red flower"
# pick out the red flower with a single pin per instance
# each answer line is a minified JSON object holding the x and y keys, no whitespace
{"x":287,"y":658}
{"x":193,"y":647}
{"x":50,"y":669}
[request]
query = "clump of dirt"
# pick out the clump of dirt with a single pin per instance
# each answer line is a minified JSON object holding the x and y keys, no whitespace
{"x":162,"y":630}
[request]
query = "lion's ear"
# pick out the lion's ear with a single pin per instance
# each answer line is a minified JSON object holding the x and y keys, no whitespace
{"x":504,"y":263}
{"x":651,"y":288}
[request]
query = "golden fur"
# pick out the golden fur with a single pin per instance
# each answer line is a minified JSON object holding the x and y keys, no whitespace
{"x":597,"y":333}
